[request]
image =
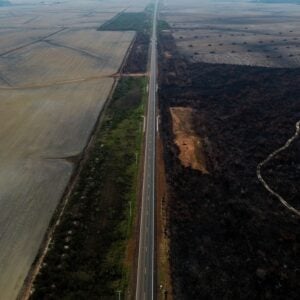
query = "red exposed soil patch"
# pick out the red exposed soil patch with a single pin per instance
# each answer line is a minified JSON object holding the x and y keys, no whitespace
{"x":189,"y":144}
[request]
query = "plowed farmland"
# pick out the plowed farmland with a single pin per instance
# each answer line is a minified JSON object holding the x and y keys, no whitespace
{"x":11,"y":38}
{"x":50,"y":62}
{"x":55,"y":76}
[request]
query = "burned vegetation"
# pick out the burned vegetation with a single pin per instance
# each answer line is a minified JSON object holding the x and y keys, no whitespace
{"x":138,"y":58}
{"x":230,"y":239}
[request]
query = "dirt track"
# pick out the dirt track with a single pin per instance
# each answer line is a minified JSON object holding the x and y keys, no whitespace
{"x":272,"y":156}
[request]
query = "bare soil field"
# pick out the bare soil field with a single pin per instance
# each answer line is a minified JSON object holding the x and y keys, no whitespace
{"x":52,"y":62}
{"x":190,"y":146}
{"x":244,"y":33}
{"x":103,"y":42}
{"x":55,"y":76}
{"x":12,"y":38}
{"x":40,"y":130}
{"x":32,"y":119}
{"x":56,"y":15}
{"x":79,"y":14}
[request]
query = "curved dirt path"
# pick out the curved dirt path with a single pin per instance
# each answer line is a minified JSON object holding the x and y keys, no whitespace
{"x":271,"y":156}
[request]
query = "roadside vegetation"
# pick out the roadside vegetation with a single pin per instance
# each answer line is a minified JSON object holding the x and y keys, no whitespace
{"x":130,"y":21}
{"x":86,"y":256}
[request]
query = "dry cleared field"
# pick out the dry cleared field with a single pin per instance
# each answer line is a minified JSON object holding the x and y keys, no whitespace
{"x":39,"y":128}
{"x":12,"y":38}
{"x":32,"y":119}
{"x":49,"y":62}
{"x":55,"y":75}
{"x":65,"y":13}
{"x":239,"y":32}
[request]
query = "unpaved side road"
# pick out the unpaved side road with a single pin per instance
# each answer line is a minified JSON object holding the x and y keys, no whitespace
{"x":271,"y":156}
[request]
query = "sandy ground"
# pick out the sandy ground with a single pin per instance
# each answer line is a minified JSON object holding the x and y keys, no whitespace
{"x":237,"y":32}
{"x":55,"y":75}
{"x":190,"y":145}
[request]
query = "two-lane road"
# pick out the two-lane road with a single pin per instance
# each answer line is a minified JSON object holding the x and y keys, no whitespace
{"x":145,"y":289}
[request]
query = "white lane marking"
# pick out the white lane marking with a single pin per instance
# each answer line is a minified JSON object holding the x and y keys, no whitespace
{"x":151,"y":114}
{"x":144,"y":124}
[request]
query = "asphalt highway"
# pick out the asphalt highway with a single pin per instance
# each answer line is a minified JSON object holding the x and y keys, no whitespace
{"x":146,"y":258}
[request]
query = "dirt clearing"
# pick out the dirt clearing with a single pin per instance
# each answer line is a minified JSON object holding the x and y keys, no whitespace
{"x":190,"y":146}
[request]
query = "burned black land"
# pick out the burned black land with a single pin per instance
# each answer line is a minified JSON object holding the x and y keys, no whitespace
{"x":138,"y":57}
{"x":231,"y":239}
{"x":283,"y":173}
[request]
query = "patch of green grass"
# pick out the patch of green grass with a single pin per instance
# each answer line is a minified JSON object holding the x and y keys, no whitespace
{"x":86,"y":257}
